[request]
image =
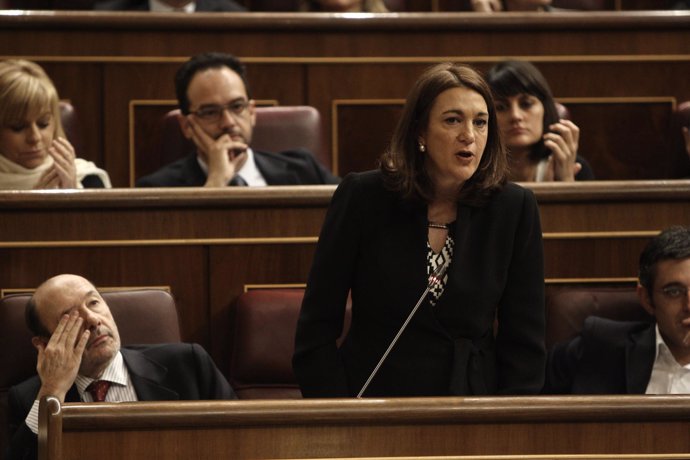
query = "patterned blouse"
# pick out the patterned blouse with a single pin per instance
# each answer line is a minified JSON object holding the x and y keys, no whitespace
{"x":433,"y":261}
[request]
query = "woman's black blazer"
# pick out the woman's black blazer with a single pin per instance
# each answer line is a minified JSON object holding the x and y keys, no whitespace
{"x":484,"y":336}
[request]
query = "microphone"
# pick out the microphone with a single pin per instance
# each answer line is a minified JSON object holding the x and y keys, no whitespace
{"x":434,"y":279}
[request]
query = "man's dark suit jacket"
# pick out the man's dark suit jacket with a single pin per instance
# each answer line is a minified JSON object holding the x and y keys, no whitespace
{"x":608,"y":357}
{"x":166,"y":372}
{"x":292,"y":167}
{"x":374,"y":244}
{"x":143,"y":5}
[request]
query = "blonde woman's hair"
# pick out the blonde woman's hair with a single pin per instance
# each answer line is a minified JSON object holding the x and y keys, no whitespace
{"x":26,"y":90}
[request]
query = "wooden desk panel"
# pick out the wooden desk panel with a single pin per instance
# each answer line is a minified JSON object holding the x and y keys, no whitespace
{"x":452,"y":428}
{"x":104,"y":61}
{"x":210,"y":245}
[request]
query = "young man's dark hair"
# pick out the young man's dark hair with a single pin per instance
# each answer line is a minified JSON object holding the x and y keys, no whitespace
{"x":672,"y":243}
{"x":199,"y":63}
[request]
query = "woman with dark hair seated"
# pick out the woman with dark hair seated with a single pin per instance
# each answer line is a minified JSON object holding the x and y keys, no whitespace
{"x":435,"y":240}
{"x":541,"y":146}
{"x":34,"y":152}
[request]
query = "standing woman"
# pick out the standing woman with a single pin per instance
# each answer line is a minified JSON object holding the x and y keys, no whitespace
{"x":34,"y":153}
{"x":541,"y":145}
{"x":439,"y":196}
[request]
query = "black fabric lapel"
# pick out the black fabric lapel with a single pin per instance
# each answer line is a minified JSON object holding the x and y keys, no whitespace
{"x":147,"y":377}
{"x":640,"y":351}
{"x":275,"y":172}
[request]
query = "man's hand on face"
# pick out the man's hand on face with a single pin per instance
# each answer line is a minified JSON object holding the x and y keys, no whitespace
{"x":224,"y":155}
{"x":59,"y":359}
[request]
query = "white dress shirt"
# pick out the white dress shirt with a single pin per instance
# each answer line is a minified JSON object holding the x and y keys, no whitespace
{"x":121,"y":388}
{"x":668,"y":377}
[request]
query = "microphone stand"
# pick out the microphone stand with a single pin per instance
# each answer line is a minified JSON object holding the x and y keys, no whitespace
{"x":434,"y":279}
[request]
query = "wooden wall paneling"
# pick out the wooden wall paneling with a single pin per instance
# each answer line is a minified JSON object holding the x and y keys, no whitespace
{"x":124,"y":82}
{"x":612,"y":207}
{"x":114,"y":239}
{"x":309,"y":35}
{"x":234,"y":266}
{"x":146,"y":133}
{"x":362,"y":130}
{"x":632,"y":127}
{"x":624,"y":75}
{"x":183,"y":268}
{"x":82,"y":85}
{"x":284,"y":82}
{"x":336,"y":86}
{"x":209,"y":245}
{"x":627,"y":138}
{"x":578,"y":258}
{"x":582,"y":55}
{"x":176,"y":215}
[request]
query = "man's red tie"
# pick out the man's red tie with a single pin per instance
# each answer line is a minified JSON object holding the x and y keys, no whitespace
{"x":98,"y":390}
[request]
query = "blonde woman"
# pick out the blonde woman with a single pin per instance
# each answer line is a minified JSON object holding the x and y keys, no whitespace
{"x":34,"y":152}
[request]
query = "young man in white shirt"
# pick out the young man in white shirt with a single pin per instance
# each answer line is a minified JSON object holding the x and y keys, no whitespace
{"x":616,"y":357}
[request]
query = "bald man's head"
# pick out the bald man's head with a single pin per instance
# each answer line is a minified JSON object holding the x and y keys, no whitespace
{"x":63,"y":294}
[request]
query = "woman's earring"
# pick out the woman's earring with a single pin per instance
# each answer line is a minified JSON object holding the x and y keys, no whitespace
{"x":422,"y":147}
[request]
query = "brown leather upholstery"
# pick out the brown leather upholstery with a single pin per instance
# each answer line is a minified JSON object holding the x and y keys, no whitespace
{"x":683,"y":113}
{"x":263,"y":343}
{"x":563,"y":111}
{"x":70,"y":123}
{"x":265,"y":320}
{"x":676,"y":142}
{"x":277,"y":129}
{"x":142,"y":316}
{"x":567,"y":308}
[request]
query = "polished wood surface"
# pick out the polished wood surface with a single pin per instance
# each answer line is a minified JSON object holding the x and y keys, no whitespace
{"x":210,"y":246}
{"x":620,"y":73}
{"x":491,"y":427}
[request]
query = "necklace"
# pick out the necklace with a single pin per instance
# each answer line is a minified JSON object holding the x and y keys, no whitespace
{"x":437,"y":225}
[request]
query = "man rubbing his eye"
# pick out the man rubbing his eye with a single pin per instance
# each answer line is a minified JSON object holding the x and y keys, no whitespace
{"x":218,"y":115}
{"x":80,"y":358}
{"x":617,"y":357}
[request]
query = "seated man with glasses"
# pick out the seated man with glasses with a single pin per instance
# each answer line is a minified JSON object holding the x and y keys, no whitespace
{"x":616,"y":357}
{"x":219,"y":116}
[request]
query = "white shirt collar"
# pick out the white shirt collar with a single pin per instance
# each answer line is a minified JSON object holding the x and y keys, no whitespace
{"x":116,"y":372}
{"x":249,"y":171}
{"x":668,"y":376}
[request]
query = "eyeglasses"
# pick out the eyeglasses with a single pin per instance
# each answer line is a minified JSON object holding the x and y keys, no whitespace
{"x":215,"y":112}
{"x":675,"y":292}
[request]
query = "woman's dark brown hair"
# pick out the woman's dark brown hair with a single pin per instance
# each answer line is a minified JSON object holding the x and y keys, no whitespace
{"x":511,"y":78}
{"x":403,"y":165}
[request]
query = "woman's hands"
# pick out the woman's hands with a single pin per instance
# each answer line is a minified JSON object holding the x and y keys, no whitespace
{"x":487,"y":6}
{"x":562,"y":139}
{"x":63,"y":173}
